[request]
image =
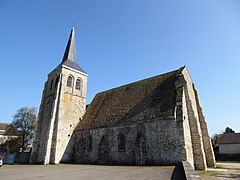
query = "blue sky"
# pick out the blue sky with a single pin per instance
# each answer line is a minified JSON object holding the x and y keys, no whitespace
{"x":122,"y":41}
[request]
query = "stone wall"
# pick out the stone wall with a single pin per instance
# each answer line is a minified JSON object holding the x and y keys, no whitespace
{"x":198,"y":145}
{"x":159,"y":142}
{"x":194,"y":124}
{"x":46,"y":118}
{"x":71,"y":108}
{"x":182,"y":117}
{"x":61,"y":109}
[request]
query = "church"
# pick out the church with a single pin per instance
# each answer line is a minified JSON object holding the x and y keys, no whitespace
{"x":155,"y":121}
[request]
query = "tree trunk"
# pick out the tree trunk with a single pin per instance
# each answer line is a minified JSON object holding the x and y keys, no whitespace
{"x":23,"y":138}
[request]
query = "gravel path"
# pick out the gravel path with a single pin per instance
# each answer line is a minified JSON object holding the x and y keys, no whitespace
{"x":224,"y":171}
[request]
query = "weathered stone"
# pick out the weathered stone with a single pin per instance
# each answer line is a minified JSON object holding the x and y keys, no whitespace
{"x":61,"y":109}
{"x":156,"y":121}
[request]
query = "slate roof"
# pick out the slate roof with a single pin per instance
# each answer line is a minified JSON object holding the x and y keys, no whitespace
{"x":233,"y":138}
{"x":70,"y":57}
{"x":148,"y":99}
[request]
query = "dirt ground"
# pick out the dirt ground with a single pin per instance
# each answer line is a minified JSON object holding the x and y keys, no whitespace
{"x":225,"y":171}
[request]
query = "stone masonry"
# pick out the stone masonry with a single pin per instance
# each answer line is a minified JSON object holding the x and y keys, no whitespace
{"x":155,"y":121}
{"x":62,"y":107}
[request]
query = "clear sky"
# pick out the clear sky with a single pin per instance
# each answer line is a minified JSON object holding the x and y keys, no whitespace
{"x":122,"y":41}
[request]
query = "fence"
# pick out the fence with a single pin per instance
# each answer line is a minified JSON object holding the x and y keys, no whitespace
{"x":18,"y":157}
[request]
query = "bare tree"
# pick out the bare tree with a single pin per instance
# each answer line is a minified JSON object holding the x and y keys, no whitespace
{"x":25,"y":121}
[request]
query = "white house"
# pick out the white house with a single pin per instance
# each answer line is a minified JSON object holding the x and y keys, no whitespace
{"x":229,"y":143}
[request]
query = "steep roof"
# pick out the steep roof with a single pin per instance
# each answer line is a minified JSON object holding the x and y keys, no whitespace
{"x":233,"y":138}
{"x":70,"y":57}
{"x":145,"y":100}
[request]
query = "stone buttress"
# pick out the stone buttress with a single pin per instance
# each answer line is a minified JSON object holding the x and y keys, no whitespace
{"x":201,"y":146}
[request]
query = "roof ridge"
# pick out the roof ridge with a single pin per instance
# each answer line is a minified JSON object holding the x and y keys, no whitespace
{"x":145,"y":79}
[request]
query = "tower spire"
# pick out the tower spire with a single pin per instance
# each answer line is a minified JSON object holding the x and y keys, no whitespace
{"x":70,"y":56}
{"x":70,"y":52}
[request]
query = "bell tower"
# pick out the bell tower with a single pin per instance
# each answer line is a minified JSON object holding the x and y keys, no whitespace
{"x":62,"y":107}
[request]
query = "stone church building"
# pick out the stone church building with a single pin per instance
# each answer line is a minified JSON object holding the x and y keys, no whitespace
{"x":155,"y":121}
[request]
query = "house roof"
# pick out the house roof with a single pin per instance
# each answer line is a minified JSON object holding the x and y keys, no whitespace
{"x":145,"y":100}
{"x":3,"y":127}
{"x":233,"y":138}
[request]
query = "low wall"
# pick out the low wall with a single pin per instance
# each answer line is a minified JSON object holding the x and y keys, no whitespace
{"x":190,"y":173}
{"x":22,"y":157}
{"x":151,"y":143}
{"x":18,"y":157}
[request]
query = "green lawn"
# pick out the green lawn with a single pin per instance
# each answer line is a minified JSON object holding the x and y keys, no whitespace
{"x":207,"y":173}
{"x":227,"y":161}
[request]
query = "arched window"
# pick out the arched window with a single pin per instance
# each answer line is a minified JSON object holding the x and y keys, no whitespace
{"x":78,"y":84}
{"x":121,"y":143}
{"x":69,"y":81}
{"x":89,"y":143}
{"x":56,"y":82}
{"x":139,"y":139}
{"x":103,"y":149}
{"x":51,"y":84}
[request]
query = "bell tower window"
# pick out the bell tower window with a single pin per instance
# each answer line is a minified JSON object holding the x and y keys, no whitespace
{"x":78,"y":84}
{"x":69,"y":81}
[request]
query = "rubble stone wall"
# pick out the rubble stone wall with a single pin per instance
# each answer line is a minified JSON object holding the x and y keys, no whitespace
{"x":152,"y":143}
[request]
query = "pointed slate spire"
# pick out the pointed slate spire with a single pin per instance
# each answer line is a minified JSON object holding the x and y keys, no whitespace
{"x":70,"y":52}
{"x":70,"y":57}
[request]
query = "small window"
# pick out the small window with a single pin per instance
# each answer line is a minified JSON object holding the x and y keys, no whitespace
{"x":121,"y":143}
{"x":69,"y":81}
{"x":57,"y":80}
{"x":78,"y":84}
{"x":51,"y":84}
{"x":89,"y":143}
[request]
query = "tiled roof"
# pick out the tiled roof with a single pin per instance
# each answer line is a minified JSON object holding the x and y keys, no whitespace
{"x":3,"y":126}
{"x":148,"y":99}
{"x":233,"y":138}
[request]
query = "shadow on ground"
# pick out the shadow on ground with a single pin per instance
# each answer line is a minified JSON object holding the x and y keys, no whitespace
{"x":178,"y":173}
{"x":232,"y":176}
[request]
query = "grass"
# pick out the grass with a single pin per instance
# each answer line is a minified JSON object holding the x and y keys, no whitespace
{"x":228,"y":161}
{"x":6,"y":165}
{"x":219,"y":166}
{"x":207,"y":173}
{"x":212,"y":174}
